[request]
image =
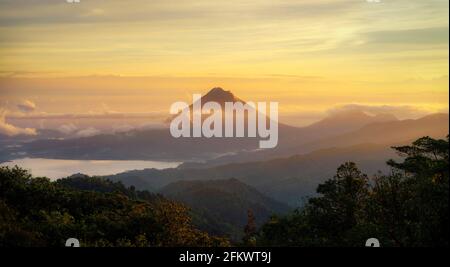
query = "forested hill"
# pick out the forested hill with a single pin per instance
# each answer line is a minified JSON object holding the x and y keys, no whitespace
{"x":220,"y":207}
{"x":38,"y":212}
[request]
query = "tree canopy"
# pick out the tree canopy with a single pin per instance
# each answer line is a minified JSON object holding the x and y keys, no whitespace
{"x":408,"y":207}
{"x":98,"y":212}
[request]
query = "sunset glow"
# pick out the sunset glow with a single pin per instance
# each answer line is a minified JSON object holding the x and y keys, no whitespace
{"x":311,"y":56}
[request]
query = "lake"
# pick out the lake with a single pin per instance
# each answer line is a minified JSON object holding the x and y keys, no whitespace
{"x":60,"y":168}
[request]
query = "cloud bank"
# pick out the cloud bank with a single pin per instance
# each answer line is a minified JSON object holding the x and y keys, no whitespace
{"x":400,"y":111}
{"x":11,"y":130}
{"x":26,"y":106}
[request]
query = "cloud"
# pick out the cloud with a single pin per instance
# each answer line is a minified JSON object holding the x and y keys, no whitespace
{"x":400,"y":111}
{"x":26,"y":106}
{"x":11,"y":130}
{"x":59,"y":12}
{"x":122,"y":128}
{"x":434,"y":35}
{"x":22,"y":73}
{"x":67,"y":128}
{"x":104,"y":114}
{"x":91,"y":131}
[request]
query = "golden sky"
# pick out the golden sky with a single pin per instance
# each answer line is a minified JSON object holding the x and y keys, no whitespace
{"x":310,"y":55}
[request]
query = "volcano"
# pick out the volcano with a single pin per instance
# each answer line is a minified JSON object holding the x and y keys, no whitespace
{"x":344,"y":129}
{"x":219,"y":95}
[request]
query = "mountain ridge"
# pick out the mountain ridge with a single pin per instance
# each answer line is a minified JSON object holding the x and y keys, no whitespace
{"x":223,"y":204}
{"x":158,"y":144}
{"x":288,"y":180}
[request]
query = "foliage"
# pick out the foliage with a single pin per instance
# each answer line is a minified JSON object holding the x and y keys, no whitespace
{"x":38,"y":212}
{"x":408,"y":207}
{"x":250,"y":229}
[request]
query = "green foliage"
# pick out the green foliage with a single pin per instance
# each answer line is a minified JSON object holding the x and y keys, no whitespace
{"x":337,"y":212}
{"x":408,"y":207}
{"x":412,"y":203}
{"x":38,"y":212}
{"x":220,"y":207}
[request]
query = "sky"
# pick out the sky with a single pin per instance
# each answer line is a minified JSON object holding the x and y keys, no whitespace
{"x":136,"y":57}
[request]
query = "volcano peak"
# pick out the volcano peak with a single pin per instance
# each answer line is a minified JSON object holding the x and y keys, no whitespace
{"x":219,"y":95}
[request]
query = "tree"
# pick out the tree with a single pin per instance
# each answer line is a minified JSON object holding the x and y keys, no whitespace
{"x":339,"y":209}
{"x":407,"y":207}
{"x":411,"y":204}
{"x":250,"y":229}
{"x":425,"y":157}
{"x":38,"y":212}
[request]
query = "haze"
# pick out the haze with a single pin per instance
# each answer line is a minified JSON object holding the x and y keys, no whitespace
{"x":133,"y":59}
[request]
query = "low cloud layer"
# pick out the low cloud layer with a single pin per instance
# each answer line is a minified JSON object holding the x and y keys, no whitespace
{"x":11,"y":130}
{"x":26,"y":106}
{"x":91,"y":131}
{"x":402,"y":112}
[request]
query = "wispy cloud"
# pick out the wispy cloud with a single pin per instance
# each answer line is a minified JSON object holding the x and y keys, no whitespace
{"x":11,"y":130}
{"x":435,"y":35}
{"x":400,"y":111}
{"x":311,"y":52}
{"x":26,"y":106}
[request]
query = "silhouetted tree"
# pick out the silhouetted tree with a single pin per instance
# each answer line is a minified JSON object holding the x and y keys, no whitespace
{"x":408,"y":207}
{"x":250,"y":229}
{"x":38,"y":212}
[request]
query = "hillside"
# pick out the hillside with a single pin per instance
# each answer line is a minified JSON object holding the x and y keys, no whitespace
{"x":35,"y":212}
{"x":220,"y":206}
{"x":288,"y":179}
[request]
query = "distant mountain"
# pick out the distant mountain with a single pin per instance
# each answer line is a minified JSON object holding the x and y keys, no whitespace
{"x":383,"y":130}
{"x":287,"y":180}
{"x":392,"y":132}
{"x":148,"y":144}
{"x":155,"y":144}
{"x":347,"y":121}
{"x":40,"y":134}
{"x":341,"y":129}
{"x":220,"y":206}
{"x":291,"y":178}
{"x":219,"y":95}
{"x":11,"y":146}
